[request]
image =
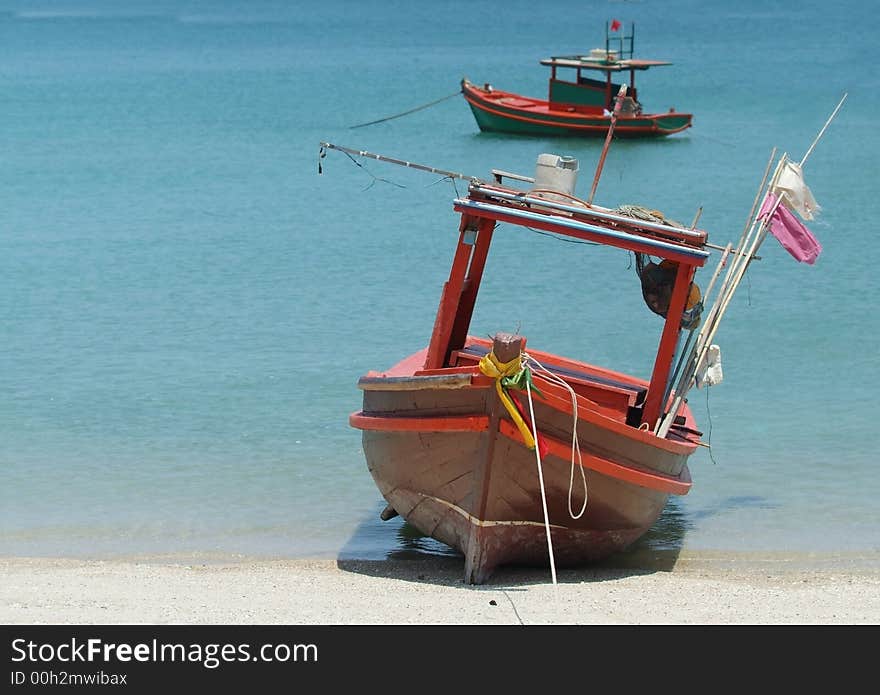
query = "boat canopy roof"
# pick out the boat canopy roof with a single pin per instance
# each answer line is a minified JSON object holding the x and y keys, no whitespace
{"x":616,"y":56}
{"x":586,"y":222}
{"x":590,"y":63}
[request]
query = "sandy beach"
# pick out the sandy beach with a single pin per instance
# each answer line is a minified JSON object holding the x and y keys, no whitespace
{"x":700,"y":590}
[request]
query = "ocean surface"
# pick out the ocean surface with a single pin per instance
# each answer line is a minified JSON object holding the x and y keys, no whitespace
{"x":187,"y":304}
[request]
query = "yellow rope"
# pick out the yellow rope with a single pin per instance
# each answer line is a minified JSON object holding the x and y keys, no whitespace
{"x":491,"y":367}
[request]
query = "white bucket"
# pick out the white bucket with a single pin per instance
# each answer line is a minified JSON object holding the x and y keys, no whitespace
{"x":556,"y":173}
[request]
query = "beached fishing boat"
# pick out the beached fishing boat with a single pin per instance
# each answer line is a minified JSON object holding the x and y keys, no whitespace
{"x":514,"y":455}
{"x":577,"y":104}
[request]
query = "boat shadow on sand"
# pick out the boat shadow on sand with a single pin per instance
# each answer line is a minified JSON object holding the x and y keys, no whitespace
{"x":419,"y":558}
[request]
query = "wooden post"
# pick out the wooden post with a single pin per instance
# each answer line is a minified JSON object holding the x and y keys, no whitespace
{"x":507,"y":346}
{"x":470,"y":287}
{"x":450,"y":299}
{"x":668,"y":340}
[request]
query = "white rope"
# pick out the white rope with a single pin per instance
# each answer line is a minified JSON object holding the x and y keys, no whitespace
{"x":541,"y":482}
{"x":575,"y":446}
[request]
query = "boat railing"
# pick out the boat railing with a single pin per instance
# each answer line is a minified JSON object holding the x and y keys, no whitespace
{"x":624,"y":43}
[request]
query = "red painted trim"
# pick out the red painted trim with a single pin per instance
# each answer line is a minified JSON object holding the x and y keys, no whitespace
{"x":450,"y":300}
{"x":470,"y":288}
{"x":551,"y":226}
{"x":653,"y":481}
{"x":479,"y":423}
{"x":559,"y":399}
{"x":407,"y":366}
{"x":451,"y":423}
{"x":475,"y":97}
{"x":599,"y":128}
{"x":510,"y":112}
{"x":461,"y":369}
{"x":668,"y":342}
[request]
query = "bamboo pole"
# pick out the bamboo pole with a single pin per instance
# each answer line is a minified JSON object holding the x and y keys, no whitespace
{"x":747,"y":228}
{"x":764,"y":226}
{"x":755,"y":238}
{"x":824,"y":128}
{"x":759,"y":234}
{"x":704,"y":339}
{"x":710,"y":324}
{"x":686,"y":351}
{"x":617,"y":104}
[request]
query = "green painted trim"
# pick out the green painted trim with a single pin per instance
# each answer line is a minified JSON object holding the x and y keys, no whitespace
{"x":585,"y":126}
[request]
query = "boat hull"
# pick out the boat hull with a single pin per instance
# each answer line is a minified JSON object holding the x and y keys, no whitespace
{"x":499,"y":111}
{"x":451,"y":462}
{"x":439,"y":495}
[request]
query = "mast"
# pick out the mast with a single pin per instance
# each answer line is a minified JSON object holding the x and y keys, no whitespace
{"x":617,"y":104}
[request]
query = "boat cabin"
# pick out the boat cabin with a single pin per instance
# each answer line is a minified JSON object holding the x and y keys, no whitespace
{"x":571,"y":88}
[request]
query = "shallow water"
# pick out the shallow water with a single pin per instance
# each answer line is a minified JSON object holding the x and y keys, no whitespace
{"x":187,"y":304}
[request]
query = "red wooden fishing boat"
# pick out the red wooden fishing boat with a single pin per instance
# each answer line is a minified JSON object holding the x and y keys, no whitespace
{"x":457,"y":463}
{"x":576,"y":104}
{"x":514,"y":455}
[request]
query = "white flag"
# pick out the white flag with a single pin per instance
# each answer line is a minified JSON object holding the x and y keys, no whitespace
{"x":709,"y":370}
{"x":794,"y":192}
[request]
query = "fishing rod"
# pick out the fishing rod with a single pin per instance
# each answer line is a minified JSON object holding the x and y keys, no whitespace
{"x":392,"y":160}
{"x":479,"y":185}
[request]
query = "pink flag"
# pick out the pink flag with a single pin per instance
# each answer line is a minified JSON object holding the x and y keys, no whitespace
{"x":792,"y":234}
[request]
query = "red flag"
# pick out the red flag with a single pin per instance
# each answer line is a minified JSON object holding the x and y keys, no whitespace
{"x":615,"y":25}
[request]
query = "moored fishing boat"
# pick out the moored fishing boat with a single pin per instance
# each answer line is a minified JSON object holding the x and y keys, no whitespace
{"x":515,"y":455}
{"x":577,"y":104}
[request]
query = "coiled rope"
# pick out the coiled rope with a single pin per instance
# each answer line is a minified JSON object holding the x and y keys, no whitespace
{"x":575,"y":446}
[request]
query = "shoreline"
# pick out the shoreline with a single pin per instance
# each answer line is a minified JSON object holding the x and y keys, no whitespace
{"x":697,"y":588}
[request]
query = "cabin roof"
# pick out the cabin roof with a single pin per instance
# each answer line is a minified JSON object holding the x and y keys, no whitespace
{"x":588,"y":63}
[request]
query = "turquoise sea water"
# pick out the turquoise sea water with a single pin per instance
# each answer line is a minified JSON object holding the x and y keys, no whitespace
{"x":187,"y":304}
